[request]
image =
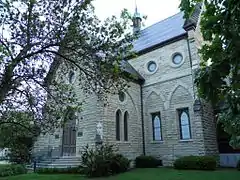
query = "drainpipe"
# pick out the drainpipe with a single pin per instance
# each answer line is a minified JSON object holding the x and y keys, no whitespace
{"x":190,"y":58}
{"x":142,"y":119}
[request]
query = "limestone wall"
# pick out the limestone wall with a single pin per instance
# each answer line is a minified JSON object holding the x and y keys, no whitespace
{"x":92,"y":112}
{"x":206,"y":114}
{"x":86,"y":121}
{"x":131,"y":104}
{"x":166,"y":90}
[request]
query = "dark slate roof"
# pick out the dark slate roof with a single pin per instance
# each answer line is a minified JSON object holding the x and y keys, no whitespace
{"x":193,"y":19}
{"x":160,"y":32}
{"x":127,"y":67}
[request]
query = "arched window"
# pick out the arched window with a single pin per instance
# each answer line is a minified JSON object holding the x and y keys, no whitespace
{"x":156,"y":121}
{"x":125,"y":124}
{"x":118,"y":117}
{"x":184,"y":122}
{"x":71,"y":76}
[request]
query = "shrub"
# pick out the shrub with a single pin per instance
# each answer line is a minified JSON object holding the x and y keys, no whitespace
{"x":102,"y":161}
{"x":196,"y":162}
{"x":10,"y":170}
{"x":119,"y":164}
{"x":147,"y":162}
{"x":238,"y":165}
{"x":70,"y":170}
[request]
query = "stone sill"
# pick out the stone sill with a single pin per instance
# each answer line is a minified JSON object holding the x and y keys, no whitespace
{"x":123,"y":142}
{"x":186,"y":140}
{"x":157,"y":142}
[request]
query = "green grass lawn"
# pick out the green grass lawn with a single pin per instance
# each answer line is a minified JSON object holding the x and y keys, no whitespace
{"x":144,"y":174}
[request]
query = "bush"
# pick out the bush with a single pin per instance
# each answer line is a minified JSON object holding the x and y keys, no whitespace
{"x":103,"y":161}
{"x":70,"y":170}
{"x":10,"y":170}
{"x":196,"y":162}
{"x":119,"y":164}
{"x":238,"y":165}
{"x":147,"y":162}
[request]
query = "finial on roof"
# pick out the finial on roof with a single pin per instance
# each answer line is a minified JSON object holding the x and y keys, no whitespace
{"x":136,"y":10}
{"x":136,"y":13}
{"x":137,"y":20}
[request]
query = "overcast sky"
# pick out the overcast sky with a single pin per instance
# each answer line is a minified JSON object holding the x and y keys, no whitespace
{"x":156,"y":10}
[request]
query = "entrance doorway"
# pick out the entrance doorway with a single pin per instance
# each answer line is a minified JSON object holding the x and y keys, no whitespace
{"x":69,"y":139}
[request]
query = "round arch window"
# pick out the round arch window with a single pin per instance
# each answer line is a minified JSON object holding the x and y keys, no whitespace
{"x":152,"y":66}
{"x":177,"y":59}
{"x":121,"y":96}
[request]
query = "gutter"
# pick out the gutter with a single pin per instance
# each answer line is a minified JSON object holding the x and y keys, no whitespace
{"x":142,"y":119}
{"x":161,"y":44}
{"x":190,"y":58}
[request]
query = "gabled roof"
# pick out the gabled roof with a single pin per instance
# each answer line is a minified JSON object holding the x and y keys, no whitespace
{"x":160,"y":32}
{"x":127,"y":67}
{"x":193,"y":19}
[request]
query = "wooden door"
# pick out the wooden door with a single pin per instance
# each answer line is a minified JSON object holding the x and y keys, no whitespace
{"x":69,"y":139}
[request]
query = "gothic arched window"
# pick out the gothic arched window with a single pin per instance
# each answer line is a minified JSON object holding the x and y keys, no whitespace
{"x":71,"y":76}
{"x":118,"y":117}
{"x":184,"y":123}
{"x":125,"y":124}
{"x":156,"y":121}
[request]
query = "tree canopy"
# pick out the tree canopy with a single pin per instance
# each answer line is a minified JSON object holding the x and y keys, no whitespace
{"x":219,"y":80}
{"x":43,"y":41}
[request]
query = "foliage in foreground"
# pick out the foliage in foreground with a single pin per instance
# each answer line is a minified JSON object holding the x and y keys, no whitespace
{"x":12,"y":169}
{"x":219,"y":81}
{"x":103,"y":161}
{"x":18,"y":139}
{"x":196,"y":162}
{"x":147,"y":162}
{"x":43,"y":43}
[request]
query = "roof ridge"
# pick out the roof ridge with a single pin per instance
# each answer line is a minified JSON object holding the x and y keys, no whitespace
{"x":161,"y":21}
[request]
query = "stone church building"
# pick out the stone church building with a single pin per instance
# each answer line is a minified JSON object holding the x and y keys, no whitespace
{"x":160,"y":114}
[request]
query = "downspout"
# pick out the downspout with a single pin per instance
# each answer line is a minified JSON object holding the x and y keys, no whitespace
{"x":190,"y":58}
{"x":142,"y":119}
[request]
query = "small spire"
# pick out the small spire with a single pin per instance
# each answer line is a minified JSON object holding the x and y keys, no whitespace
{"x":136,"y":10}
{"x":137,"y":20}
{"x":136,"y":13}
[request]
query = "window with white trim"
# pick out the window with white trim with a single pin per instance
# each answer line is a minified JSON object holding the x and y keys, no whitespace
{"x":156,"y":123}
{"x":184,"y":123}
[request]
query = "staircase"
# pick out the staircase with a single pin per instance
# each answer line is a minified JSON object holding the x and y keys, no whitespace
{"x":62,"y":162}
{"x":65,"y":162}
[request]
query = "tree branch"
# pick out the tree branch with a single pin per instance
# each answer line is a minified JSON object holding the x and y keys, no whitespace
{"x":8,"y":50}
{"x":18,"y":124}
{"x":71,"y":61}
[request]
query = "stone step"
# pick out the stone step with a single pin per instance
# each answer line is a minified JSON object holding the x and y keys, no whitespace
{"x":70,"y":157}
{"x":62,"y":162}
{"x":58,"y":165}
